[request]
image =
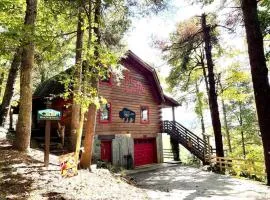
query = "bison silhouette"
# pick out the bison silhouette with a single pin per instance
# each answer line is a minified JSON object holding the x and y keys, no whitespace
{"x":127,"y":115}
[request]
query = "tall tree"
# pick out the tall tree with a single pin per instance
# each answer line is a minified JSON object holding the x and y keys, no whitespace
{"x":190,"y":38}
{"x":23,"y":131}
{"x":92,"y":111}
{"x":259,"y":73}
{"x":76,"y":108}
{"x":11,"y":17}
{"x":9,"y":90}
{"x":213,"y":103}
{"x":224,"y":111}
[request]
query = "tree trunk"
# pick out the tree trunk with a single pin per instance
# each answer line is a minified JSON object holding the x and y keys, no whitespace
{"x":79,"y":135}
{"x":259,"y":73}
{"x":91,"y":116}
{"x":228,"y":137}
{"x":200,"y":111}
{"x":9,"y":91}
{"x":23,"y":132}
{"x":224,"y":110}
{"x":89,"y":137}
{"x":2,"y":76}
{"x":76,"y":108}
{"x":212,"y":88}
{"x":242,"y":132}
{"x":205,"y":76}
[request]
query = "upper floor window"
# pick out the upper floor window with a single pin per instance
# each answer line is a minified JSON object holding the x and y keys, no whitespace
{"x":144,"y":114}
{"x":107,"y":80}
{"x":105,"y":113}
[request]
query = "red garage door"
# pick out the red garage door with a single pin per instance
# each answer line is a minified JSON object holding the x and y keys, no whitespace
{"x":144,"y":151}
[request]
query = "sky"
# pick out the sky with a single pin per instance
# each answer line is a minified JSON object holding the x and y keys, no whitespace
{"x":140,"y":37}
{"x":139,"y":40}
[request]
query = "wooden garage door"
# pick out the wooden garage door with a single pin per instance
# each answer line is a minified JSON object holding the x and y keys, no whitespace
{"x":144,"y":151}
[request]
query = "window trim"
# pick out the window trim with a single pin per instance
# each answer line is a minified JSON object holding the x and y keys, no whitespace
{"x":107,"y":83}
{"x":148,"y":114}
{"x":110,"y":115}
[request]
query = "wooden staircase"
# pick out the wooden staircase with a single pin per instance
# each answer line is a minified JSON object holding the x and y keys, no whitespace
{"x":189,"y":140}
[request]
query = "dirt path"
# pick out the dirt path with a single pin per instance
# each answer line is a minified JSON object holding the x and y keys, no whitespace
{"x":189,"y":183}
{"x":22,"y":176}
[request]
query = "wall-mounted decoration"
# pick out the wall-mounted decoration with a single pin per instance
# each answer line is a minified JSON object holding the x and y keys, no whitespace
{"x":132,"y":85}
{"x":127,"y":115}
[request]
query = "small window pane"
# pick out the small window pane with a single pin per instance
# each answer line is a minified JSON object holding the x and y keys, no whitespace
{"x":105,"y":112}
{"x":144,"y":114}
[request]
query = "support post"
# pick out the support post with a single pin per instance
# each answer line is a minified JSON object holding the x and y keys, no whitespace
{"x":173,"y":113}
{"x":47,"y":138}
{"x":47,"y":142}
{"x":174,"y":142}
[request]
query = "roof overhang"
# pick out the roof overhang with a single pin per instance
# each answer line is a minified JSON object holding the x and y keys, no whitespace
{"x":170,"y":102}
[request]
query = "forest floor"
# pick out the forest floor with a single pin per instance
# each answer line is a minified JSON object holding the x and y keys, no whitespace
{"x":22,"y":176}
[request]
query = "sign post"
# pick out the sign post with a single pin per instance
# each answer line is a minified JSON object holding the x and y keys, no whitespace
{"x":48,"y":115}
{"x":47,"y":142}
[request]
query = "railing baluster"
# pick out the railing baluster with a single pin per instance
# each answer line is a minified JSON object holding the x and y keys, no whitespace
{"x":184,"y":136}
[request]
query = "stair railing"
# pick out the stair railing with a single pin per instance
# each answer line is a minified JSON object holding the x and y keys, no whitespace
{"x":188,"y":139}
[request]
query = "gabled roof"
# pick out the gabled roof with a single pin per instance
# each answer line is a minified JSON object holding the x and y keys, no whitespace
{"x":53,"y":86}
{"x":147,"y":71}
{"x":151,"y":74}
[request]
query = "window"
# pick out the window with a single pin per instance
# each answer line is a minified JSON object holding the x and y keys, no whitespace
{"x":105,"y":113}
{"x":144,"y":114}
{"x":107,"y":80}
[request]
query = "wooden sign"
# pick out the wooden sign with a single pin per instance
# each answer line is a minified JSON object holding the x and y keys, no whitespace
{"x":49,"y":114}
{"x":127,"y":115}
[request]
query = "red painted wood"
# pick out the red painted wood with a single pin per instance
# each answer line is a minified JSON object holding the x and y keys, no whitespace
{"x":144,"y":151}
{"x":106,"y":151}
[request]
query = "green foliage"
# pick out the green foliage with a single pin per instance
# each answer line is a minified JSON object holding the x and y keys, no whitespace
{"x":264,"y":18}
{"x":237,"y":94}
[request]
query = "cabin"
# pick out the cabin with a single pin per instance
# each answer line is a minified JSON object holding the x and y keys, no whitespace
{"x":128,"y":127}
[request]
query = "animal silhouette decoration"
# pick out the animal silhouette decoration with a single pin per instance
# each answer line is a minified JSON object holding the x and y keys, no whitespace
{"x":127,"y":115}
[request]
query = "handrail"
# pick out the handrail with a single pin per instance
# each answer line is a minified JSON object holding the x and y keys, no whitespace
{"x":192,"y":142}
{"x":238,"y":164}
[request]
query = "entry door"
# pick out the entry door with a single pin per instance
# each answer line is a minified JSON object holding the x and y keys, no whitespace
{"x":106,"y":151}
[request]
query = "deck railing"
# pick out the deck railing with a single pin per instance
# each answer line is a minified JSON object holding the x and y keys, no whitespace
{"x":237,"y":166}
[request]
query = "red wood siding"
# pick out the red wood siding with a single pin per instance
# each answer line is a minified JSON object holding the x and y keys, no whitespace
{"x":132,"y":92}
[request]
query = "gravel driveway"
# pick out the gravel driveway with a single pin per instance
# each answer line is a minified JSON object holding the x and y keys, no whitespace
{"x":182,"y":182}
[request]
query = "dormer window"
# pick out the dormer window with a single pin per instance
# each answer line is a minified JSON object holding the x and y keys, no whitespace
{"x":144,"y":114}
